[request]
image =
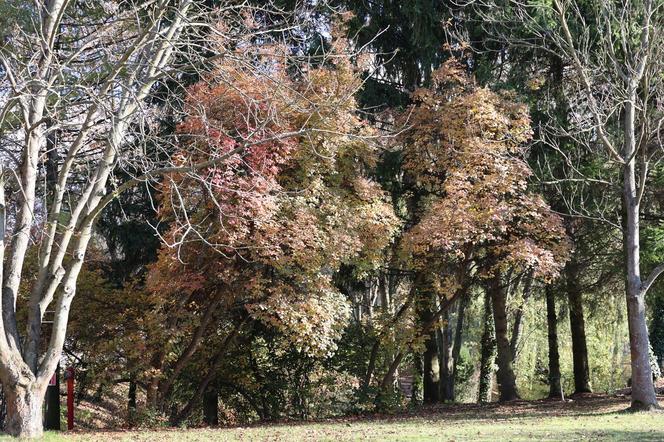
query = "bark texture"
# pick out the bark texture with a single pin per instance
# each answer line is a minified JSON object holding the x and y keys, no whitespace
{"x":505,"y":375}
{"x":643,"y":389}
{"x":488,"y":352}
{"x":24,"y":411}
{"x":446,"y":359}
{"x":555,"y":390}
{"x":578,"y":328}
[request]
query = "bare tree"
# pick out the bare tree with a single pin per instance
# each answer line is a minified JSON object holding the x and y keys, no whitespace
{"x":613,"y":56}
{"x":82,"y":72}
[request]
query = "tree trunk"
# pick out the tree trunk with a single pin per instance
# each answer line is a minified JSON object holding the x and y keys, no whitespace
{"x":578,"y":328}
{"x":388,"y":379}
{"x":425,"y":326}
{"x":152,"y":387}
{"x":372,"y":363}
{"x":24,"y":411}
{"x":177,"y":418}
{"x":131,"y":399}
{"x":3,"y":407}
{"x":445,"y":360}
{"x":450,"y":340}
{"x":165,"y":384}
{"x":456,"y":349}
{"x":505,"y":374}
{"x":211,"y":408}
{"x":488,"y":353}
{"x":643,"y":391}
{"x":555,"y":390}
{"x":430,"y":361}
{"x":417,"y":390}
{"x":518,"y":317}
{"x":431,"y":375}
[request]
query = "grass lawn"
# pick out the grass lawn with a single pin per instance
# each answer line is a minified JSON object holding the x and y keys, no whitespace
{"x":591,"y":418}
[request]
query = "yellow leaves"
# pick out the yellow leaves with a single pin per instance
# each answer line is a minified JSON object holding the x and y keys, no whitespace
{"x":311,"y":321}
{"x":461,"y":126}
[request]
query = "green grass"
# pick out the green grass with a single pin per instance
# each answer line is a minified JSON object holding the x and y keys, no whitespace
{"x":596,"y":419}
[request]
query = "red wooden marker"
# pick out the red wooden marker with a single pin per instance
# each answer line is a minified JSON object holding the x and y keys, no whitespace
{"x":69,"y":376}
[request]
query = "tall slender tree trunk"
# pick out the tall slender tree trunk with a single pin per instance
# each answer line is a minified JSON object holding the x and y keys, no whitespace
{"x":390,"y":376}
{"x":635,"y":72}
{"x":488,"y":353}
{"x":555,"y":390}
{"x":643,"y":391}
{"x":505,"y":374}
{"x":213,"y":366}
{"x":211,"y":408}
{"x":577,"y":327}
{"x":518,"y":317}
{"x":456,"y":349}
{"x":450,"y":338}
{"x":131,"y":397}
{"x":152,"y":388}
{"x":371,"y":366}
{"x":430,"y":362}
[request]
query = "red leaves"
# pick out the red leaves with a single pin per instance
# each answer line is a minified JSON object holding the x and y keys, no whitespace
{"x":285,"y":214}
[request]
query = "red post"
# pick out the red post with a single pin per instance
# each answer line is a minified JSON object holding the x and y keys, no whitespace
{"x":69,"y":376}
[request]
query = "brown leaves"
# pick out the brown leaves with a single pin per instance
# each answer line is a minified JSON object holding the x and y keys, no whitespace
{"x":466,"y":148}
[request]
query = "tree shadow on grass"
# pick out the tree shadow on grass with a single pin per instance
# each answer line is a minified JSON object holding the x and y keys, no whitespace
{"x":585,"y":405}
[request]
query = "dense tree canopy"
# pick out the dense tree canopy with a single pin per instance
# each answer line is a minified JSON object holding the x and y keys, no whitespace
{"x":229,"y":212}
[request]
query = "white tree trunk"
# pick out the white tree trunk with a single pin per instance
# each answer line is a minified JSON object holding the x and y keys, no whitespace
{"x":643,"y":391}
{"x":24,"y":410}
{"x":23,"y":373}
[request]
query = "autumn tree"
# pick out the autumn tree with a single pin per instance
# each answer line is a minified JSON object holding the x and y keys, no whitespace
{"x":408,"y":43}
{"x":95,"y":103}
{"x":467,"y":148}
{"x":282,"y":218}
